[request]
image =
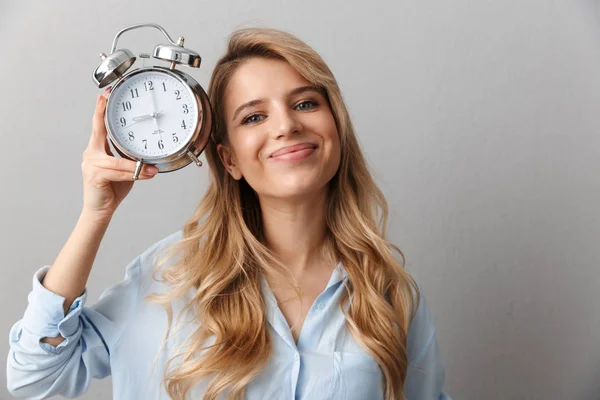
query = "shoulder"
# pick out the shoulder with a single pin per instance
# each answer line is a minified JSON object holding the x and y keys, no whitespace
{"x":426,"y":366}
{"x":151,"y":255}
{"x":421,"y":331}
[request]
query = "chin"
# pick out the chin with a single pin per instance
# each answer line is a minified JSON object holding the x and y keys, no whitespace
{"x":297,"y":191}
{"x":293,"y":185}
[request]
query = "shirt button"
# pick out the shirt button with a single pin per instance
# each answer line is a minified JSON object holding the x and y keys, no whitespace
{"x":296,"y":357}
{"x":320,"y":306}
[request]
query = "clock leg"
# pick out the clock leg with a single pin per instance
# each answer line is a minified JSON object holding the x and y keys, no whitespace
{"x":138,"y":169}
{"x":194,"y":158}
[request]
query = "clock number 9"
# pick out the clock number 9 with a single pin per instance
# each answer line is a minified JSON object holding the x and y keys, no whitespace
{"x":123,"y":121}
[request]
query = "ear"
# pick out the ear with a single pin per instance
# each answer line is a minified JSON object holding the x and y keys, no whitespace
{"x":228,"y":160}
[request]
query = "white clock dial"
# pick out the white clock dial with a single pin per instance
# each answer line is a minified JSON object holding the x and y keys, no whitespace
{"x":152,"y":114}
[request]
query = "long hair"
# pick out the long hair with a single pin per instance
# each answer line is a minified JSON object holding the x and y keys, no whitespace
{"x":222,"y":253}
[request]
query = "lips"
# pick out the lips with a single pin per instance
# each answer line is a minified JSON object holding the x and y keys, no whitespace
{"x":291,"y":149}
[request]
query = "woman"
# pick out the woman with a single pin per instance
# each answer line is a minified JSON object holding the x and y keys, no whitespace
{"x":284,"y":279}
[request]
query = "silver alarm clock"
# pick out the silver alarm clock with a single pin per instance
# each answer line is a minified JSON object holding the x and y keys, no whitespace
{"x":155,"y":115}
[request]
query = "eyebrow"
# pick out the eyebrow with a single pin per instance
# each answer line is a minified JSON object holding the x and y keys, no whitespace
{"x":298,"y":90}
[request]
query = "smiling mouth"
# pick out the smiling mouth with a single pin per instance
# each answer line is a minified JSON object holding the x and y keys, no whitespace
{"x":295,"y":155}
{"x":293,"y":149}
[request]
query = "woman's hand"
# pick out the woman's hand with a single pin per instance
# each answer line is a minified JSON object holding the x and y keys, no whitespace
{"x":106,"y":179}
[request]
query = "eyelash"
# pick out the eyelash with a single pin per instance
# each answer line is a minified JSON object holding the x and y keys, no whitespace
{"x":311,"y":102}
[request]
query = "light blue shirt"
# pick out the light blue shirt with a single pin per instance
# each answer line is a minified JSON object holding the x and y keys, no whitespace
{"x":120,"y":335}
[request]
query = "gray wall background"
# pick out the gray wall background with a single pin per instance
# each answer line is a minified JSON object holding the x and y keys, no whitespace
{"x":480,"y":120}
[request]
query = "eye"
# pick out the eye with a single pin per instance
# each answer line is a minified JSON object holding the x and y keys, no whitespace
{"x":306,"y":105}
{"x":251,"y":119}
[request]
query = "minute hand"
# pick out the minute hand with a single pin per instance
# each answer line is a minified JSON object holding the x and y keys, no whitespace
{"x":143,"y":118}
{"x":147,"y":116}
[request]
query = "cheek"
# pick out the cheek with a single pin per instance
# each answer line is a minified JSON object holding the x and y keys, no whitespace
{"x":332,"y":135}
{"x":247,"y":147}
{"x":329,"y":127}
{"x":335,"y":154}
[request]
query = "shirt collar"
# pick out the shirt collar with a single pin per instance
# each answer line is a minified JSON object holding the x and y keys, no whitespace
{"x":339,"y":274}
{"x":274,"y":315}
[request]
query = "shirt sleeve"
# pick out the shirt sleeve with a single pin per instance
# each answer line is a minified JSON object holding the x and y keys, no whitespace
{"x":37,"y":370}
{"x":426,"y":368}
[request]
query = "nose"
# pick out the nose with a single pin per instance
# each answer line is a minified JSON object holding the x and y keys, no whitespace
{"x":286,"y":123}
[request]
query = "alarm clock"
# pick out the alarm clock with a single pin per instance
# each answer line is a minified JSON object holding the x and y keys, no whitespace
{"x":155,"y":115}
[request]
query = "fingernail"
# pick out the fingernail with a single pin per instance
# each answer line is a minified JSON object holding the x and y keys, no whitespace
{"x":152,"y":170}
{"x":106,"y":92}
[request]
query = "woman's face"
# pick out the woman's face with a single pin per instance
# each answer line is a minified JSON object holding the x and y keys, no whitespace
{"x":269,"y":107}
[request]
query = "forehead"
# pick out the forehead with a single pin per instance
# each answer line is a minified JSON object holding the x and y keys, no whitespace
{"x":262,"y":78}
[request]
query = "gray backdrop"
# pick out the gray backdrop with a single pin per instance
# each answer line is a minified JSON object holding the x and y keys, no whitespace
{"x":480,"y":120}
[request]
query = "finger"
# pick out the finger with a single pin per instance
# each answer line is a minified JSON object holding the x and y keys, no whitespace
{"x":98,"y":137}
{"x":122,"y":164}
{"x":107,"y":149}
{"x":112,"y":175}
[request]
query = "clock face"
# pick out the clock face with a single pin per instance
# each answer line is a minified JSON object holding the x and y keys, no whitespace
{"x":152,"y":114}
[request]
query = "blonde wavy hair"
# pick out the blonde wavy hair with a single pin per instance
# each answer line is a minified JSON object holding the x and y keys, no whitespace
{"x":222,"y":254}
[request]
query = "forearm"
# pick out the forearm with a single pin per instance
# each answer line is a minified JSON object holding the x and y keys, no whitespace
{"x":69,"y":273}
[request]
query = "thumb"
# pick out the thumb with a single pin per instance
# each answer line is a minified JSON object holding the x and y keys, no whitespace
{"x":99,"y":133}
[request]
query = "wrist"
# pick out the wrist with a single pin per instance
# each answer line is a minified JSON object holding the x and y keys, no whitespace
{"x":96,"y":216}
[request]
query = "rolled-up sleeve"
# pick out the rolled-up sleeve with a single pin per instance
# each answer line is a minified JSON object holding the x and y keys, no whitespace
{"x":426,"y":370}
{"x":38,"y":370}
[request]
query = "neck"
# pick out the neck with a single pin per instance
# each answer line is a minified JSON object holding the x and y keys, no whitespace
{"x":295,"y":231}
